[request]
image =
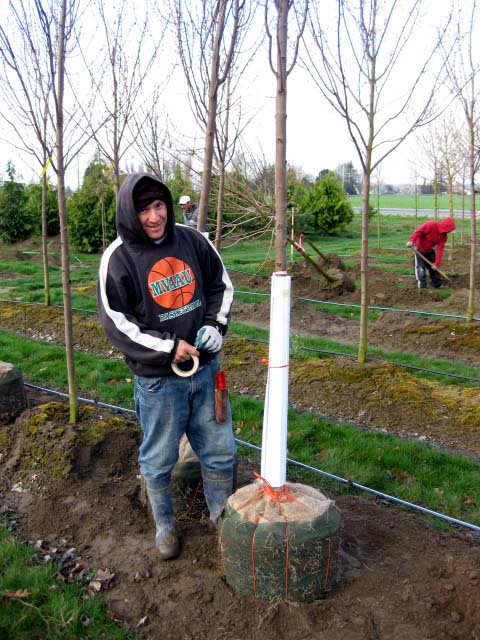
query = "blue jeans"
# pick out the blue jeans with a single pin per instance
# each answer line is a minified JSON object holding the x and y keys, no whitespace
{"x":167,"y":407}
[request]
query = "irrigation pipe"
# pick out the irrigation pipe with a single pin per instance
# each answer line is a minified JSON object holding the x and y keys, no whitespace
{"x":357,"y":306}
{"x":422,"y":313}
{"x":307,"y":467}
{"x":257,"y":293}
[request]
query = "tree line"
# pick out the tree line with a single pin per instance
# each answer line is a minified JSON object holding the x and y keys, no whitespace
{"x":317,"y":205}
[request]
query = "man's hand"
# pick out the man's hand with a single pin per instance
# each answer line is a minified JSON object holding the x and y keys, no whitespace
{"x":209,"y":339}
{"x":184,"y":352}
{"x":434,"y":267}
{"x":410,"y":245}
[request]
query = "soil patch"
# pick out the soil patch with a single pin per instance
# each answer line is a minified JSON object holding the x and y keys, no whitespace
{"x":400,"y":577}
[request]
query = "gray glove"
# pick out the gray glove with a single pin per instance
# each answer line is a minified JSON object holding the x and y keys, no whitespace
{"x":209,"y":339}
{"x":410,"y":245}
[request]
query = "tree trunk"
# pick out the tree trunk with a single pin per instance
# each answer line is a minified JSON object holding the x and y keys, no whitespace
{"x":62,"y":212}
{"x":104,"y":224}
{"x":116,"y":161}
{"x":416,"y":203}
{"x":462,"y":237}
{"x":363,"y":338}
{"x":473,"y":224}
{"x":378,"y":214}
{"x":221,"y":191}
{"x":211,"y":121}
{"x":281,"y":141}
{"x":450,"y":207}
{"x":46,"y":278}
{"x":221,"y":178}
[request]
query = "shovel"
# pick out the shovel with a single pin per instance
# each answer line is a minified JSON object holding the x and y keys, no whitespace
{"x":444,"y":275}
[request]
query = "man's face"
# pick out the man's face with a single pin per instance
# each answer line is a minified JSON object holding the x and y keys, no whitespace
{"x":153,"y":219}
{"x":186,"y":207}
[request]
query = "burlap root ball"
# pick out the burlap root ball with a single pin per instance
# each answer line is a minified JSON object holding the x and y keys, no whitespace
{"x":280,"y":545}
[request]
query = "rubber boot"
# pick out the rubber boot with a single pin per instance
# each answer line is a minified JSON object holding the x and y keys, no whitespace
{"x":166,"y":539}
{"x":217,"y":487}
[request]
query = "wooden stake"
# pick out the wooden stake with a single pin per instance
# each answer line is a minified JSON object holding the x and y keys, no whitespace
{"x":420,"y":255}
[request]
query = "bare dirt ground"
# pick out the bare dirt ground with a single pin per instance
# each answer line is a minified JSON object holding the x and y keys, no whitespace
{"x":401,"y":578}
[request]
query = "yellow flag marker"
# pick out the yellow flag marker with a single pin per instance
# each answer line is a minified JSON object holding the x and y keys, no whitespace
{"x":45,"y":166}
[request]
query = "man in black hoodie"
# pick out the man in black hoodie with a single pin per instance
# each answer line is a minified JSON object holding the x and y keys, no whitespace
{"x":163,"y":297}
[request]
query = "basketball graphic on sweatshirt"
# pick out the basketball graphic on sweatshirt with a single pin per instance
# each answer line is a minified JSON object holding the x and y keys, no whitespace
{"x":171,"y":283}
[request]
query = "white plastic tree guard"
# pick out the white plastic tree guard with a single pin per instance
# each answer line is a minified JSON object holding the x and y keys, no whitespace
{"x":275,"y":417}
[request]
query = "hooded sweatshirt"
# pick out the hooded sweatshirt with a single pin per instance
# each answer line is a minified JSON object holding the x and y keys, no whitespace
{"x":151,"y":294}
{"x":433,"y":234}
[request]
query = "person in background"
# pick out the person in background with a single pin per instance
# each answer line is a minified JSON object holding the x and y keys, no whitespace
{"x":429,"y":240}
{"x":164,"y":296}
{"x":190,"y":212}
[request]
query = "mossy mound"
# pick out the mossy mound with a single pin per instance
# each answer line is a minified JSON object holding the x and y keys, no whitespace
{"x":456,"y":335}
{"x":43,"y":440}
{"x":377,"y":394}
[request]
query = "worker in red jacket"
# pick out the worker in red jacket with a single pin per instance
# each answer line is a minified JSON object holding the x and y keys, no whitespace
{"x":425,"y":239}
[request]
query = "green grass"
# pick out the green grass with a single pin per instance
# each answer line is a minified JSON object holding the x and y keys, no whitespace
{"x":31,"y":288}
{"x":407,"y":201}
{"x":411,"y":471}
{"x":35,"y":604}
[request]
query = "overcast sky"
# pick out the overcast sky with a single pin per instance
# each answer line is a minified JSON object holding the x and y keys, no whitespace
{"x":317,"y":137}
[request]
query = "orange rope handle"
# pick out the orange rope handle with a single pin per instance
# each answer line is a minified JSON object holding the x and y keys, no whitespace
{"x":277,"y":495}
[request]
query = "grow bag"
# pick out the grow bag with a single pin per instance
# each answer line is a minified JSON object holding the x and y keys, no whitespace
{"x":280,"y":544}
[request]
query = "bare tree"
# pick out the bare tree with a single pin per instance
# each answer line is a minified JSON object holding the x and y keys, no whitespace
{"x":57,"y":30}
{"x":378,"y":180}
{"x":281,"y":68}
{"x":46,"y":36}
{"x":26,"y":94}
{"x":360,"y":76}
{"x":208,"y":43}
{"x":463,"y":70}
{"x":151,"y":132}
{"x":228,"y":130}
{"x":450,"y":144}
{"x":119,"y":78}
{"x":432,"y":160}
{"x":231,"y":121}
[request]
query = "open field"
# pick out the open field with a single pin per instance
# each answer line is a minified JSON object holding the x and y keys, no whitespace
{"x":418,"y":396}
{"x":409,"y":201}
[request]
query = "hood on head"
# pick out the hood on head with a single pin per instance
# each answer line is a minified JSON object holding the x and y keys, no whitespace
{"x":128,"y":226}
{"x":446,"y":225}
